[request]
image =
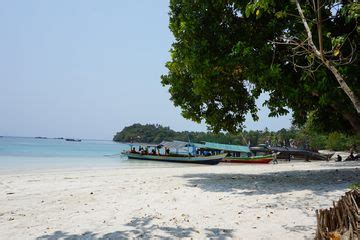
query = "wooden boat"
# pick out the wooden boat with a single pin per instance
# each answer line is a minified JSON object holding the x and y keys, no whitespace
{"x":189,"y":157}
{"x":253,"y":159}
{"x":235,"y":153}
{"x":288,"y":152}
{"x":212,"y":160}
{"x":72,"y":140}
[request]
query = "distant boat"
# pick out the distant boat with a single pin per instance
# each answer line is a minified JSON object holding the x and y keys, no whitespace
{"x":72,"y":140}
{"x":41,"y":137}
{"x":237,"y":153}
{"x":172,"y":157}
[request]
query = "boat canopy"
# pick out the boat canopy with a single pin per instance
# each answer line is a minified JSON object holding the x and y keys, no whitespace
{"x":144,"y":144}
{"x":180,"y":144}
{"x":227,"y":147}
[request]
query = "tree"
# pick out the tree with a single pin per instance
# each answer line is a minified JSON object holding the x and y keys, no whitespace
{"x":225,"y":54}
{"x":331,"y":59}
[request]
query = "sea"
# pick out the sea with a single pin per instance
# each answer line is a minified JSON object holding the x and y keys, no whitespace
{"x":25,"y":153}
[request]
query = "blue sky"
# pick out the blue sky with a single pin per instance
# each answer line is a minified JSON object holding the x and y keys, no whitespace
{"x":88,"y":68}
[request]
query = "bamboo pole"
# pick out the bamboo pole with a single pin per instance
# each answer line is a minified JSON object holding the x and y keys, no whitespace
{"x":341,"y":220}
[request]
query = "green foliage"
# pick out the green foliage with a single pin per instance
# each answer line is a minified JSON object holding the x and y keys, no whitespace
{"x":144,"y":133}
{"x":222,"y":59}
{"x":355,"y":186}
{"x":151,"y":133}
{"x":353,"y":142}
{"x":304,"y":137}
{"x":336,"y":141}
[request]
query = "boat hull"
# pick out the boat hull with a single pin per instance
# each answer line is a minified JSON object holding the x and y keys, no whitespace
{"x":211,"y":160}
{"x":260,"y":159}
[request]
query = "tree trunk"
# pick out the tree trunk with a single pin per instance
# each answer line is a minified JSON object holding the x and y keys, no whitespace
{"x":351,"y":118}
{"x":355,"y":101}
{"x":343,"y":85}
{"x":354,"y":121}
{"x":319,"y":27}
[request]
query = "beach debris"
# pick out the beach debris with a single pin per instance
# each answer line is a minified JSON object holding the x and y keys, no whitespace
{"x":342,"y":220}
{"x":11,"y":219}
{"x":334,"y":236}
{"x":91,"y":193}
{"x":10,"y":193}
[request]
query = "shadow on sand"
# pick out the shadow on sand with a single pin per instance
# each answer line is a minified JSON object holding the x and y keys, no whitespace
{"x":319,"y":181}
{"x":142,"y":228}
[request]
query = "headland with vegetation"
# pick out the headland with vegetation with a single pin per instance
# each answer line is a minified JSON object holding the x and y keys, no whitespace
{"x":155,"y":133}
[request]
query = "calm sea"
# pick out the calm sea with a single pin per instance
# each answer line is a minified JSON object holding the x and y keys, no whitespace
{"x":21,"y":153}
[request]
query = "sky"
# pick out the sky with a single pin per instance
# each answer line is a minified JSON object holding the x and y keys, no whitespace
{"x":87,"y":69}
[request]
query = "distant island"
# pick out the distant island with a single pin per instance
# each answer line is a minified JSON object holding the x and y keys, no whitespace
{"x":155,"y":133}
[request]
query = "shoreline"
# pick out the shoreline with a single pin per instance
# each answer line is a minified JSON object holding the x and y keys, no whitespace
{"x":165,"y":165}
{"x":276,"y":201}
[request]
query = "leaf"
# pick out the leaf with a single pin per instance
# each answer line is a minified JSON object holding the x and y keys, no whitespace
{"x":336,"y":52}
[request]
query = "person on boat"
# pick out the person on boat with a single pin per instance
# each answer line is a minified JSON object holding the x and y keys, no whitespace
{"x":206,"y":153}
{"x":133,"y":150}
{"x":153,"y":151}
{"x":167,"y":151}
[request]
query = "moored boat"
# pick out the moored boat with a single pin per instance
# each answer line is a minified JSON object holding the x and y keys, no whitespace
{"x":166,"y":156}
{"x":72,"y":140}
{"x":290,"y":152}
{"x":212,"y":160}
{"x":238,"y":154}
{"x":252,"y":159}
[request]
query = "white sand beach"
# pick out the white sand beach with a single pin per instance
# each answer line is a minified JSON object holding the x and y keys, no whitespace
{"x":223,"y":201}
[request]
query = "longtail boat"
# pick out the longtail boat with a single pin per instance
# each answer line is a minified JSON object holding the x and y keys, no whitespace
{"x":212,"y":160}
{"x":188,"y":157}
{"x":235,"y":153}
{"x":252,"y":159}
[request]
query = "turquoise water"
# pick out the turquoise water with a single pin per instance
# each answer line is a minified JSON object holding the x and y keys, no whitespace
{"x":20,"y":153}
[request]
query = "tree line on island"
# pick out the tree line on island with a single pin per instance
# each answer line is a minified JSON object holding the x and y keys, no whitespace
{"x":303,"y":138}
